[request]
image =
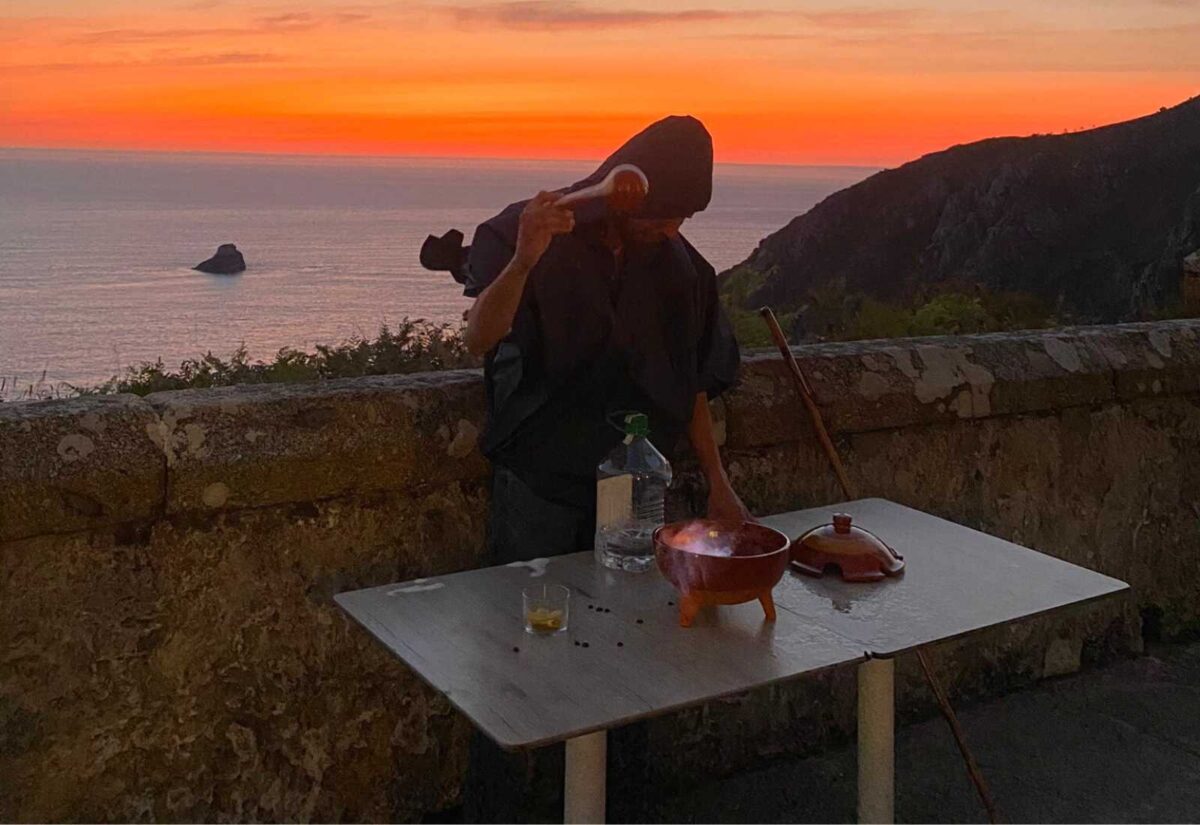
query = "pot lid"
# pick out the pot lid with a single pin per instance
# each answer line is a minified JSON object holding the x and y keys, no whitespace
{"x":857,"y":554}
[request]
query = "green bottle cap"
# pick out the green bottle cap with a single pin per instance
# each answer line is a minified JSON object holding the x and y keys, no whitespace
{"x":637,"y":424}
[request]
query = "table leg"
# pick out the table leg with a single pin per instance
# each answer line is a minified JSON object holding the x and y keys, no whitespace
{"x":585,"y":780}
{"x":876,"y":741}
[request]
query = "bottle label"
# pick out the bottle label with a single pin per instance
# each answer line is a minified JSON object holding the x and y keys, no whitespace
{"x":614,"y":500}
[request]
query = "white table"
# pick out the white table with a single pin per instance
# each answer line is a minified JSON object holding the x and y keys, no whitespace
{"x":463,"y":634}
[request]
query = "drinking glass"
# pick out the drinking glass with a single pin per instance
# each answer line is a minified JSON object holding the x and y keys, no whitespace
{"x":546,"y":608}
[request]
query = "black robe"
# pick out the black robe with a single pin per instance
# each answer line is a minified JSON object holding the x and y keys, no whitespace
{"x":592,"y":338}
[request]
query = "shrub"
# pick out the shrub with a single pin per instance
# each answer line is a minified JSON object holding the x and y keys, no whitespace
{"x":951,"y":314}
{"x":831,"y":312}
{"x":413,"y":346}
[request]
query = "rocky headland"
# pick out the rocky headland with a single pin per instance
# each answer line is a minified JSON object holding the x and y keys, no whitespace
{"x":1095,"y":224}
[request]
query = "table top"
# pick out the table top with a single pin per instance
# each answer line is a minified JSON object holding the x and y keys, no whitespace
{"x":624,"y":656}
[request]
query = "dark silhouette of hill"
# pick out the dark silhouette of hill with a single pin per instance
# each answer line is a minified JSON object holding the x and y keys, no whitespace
{"x":1096,"y":223}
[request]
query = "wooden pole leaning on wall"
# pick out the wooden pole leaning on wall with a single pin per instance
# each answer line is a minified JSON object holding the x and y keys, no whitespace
{"x":806,"y":395}
{"x":835,"y":461}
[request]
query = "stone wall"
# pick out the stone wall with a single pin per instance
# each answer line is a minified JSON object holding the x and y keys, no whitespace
{"x":169,"y":648}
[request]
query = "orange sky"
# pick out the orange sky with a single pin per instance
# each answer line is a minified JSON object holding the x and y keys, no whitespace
{"x":872,"y":82}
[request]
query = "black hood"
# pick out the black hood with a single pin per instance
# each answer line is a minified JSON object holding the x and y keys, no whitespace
{"x":676,"y":153}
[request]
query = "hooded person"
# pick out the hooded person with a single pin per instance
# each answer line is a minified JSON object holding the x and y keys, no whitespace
{"x":584,"y":315}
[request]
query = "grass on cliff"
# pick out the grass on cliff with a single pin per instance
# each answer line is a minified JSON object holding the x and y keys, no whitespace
{"x":413,"y":346}
{"x":736,"y":286}
{"x":834,"y":313}
{"x":13,"y":388}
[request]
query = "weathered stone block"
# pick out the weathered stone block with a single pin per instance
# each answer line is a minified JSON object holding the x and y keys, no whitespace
{"x":1151,"y":359}
{"x":1045,"y":370}
{"x":253,"y":446}
{"x":76,"y":465}
{"x":201,"y":671}
{"x":857,"y":388}
{"x":1062,"y":657}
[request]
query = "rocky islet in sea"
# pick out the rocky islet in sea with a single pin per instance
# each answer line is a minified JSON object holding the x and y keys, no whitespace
{"x":227,"y":261}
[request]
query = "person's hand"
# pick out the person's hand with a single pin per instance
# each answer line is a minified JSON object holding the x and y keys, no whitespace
{"x":725,"y":505}
{"x":541,"y":220}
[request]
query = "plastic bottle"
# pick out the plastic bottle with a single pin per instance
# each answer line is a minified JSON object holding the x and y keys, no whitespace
{"x":631,"y":485}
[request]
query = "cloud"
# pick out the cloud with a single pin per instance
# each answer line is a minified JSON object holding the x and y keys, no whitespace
{"x":161,"y":60}
{"x":222,"y":59}
{"x":126,"y":36}
{"x":306,"y":20}
{"x":284,"y":21}
{"x":291,"y":20}
{"x":571,"y":14}
{"x":1003,"y":48}
{"x":568,"y":14}
{"x":287,"y":18}
{"x":860,"y":18}
{"x":1190,"y":5}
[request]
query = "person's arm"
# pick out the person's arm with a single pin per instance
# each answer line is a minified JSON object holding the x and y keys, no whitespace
{"x":723,"y":503}
{"x":491,"y":316}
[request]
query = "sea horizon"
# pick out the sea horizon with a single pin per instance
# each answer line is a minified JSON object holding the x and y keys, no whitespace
{"x":377,"y":158}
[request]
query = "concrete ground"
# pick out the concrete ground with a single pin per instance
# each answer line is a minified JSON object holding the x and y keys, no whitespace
{"x":1120,"y":744}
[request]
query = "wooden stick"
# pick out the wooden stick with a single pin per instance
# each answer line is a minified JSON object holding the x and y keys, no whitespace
{"x":806,"y":395}
{"x":985,"y":794}
{"x":835,"y":461}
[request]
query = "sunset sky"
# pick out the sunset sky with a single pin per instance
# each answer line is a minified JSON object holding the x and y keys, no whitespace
{"x":869,"y":82}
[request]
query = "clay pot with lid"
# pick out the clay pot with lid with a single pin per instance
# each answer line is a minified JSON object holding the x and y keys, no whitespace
{"x":858,"y":554}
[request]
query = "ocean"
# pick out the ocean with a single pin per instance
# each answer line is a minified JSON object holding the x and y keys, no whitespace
{"x":96,"y":248}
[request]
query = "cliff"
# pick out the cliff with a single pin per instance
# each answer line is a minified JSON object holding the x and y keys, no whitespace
{"x":1096,"y":223}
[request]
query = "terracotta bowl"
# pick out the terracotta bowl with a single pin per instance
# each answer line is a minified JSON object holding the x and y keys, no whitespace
{"x":711,"y":562}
